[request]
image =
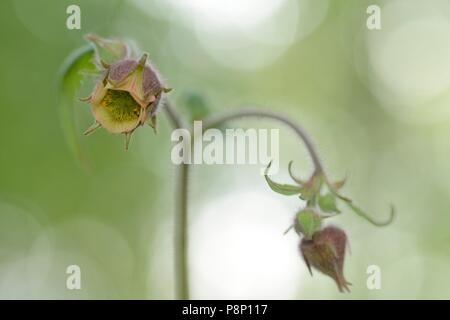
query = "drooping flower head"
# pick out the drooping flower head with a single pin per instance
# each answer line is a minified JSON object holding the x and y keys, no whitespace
{"x":326,"y":253}
{"x":322,"y":248}
{"x":127,"y":94}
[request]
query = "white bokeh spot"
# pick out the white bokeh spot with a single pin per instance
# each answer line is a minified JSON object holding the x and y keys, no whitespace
{"x":238,"y":250}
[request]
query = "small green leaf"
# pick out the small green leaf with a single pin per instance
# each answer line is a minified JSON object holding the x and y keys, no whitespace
{"x":327,"y":203}
{"x":285,"y":189}
{"x":108,"y":51}
{"x":69,"y":80}
{"x":308,"y":222}
{"x":196,"y":106}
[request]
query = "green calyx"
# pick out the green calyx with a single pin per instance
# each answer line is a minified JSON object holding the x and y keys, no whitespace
{"x":320,"y":193}
{"x":327,"y":203}
{"x":305,"y":190}
{"x":307,"y":223}
{"x":310,"y":190}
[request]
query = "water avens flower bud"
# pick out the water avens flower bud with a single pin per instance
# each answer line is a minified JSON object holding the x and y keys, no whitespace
{"x":126,"y":96}
{"x":325,"y":252}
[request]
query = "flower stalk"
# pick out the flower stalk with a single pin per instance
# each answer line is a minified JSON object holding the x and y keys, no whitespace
{"x":181,"y":217}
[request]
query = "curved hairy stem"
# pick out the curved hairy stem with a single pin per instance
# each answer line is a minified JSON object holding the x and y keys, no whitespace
{"x":181,"y":232}
{"x":216,"y":120}
{"x":364,"y":215}
{"x":173,"y":115}
{"x":181,"y":216}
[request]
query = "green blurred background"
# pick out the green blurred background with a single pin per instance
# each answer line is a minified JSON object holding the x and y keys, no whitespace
{"x":377,"y":104}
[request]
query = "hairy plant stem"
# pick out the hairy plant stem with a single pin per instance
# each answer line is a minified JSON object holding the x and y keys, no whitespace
{"x":181,"y":214}
{"x":219,"y":119}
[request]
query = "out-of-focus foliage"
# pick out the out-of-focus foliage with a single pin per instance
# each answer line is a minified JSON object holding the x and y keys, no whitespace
{"x":375,"y":102}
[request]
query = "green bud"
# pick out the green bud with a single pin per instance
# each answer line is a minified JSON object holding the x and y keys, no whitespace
{"x":307,"y":223}
{"x":327,"y":203}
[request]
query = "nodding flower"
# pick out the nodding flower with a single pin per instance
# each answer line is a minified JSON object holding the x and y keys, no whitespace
{"x":325,"y":252}
{"x":127,"y":94}
{"x":322,"y":248}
